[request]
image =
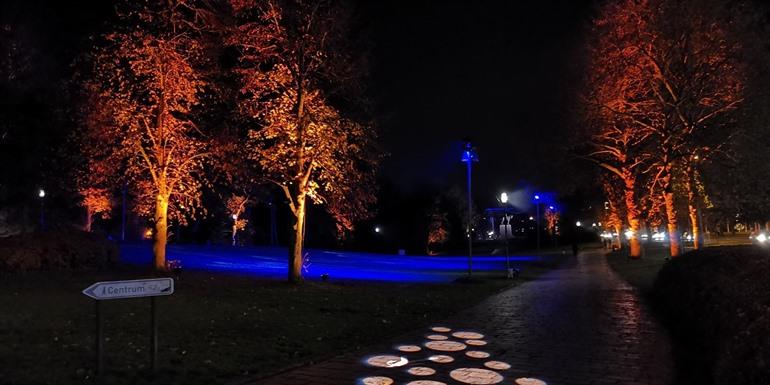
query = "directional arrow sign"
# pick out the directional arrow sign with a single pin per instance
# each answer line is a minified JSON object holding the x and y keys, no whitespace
{"x":130,"y":289}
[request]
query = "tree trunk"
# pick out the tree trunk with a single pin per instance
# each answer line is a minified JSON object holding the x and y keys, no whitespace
{"x":671,"y":223}
{"x":89,"y":221}
{"x":692,"y":208}
{"x":235,"y":230}
{"x":297,"y":241}
{"x":618,"y":243}
{"x":161,"y":232}
{"x":632,"y":214}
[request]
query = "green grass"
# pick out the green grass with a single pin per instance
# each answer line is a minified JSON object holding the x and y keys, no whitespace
{"x":641,"y":272}
{"x":214,"y":328}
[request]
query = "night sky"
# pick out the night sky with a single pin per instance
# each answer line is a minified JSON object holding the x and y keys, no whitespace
{"x":501,"y":73}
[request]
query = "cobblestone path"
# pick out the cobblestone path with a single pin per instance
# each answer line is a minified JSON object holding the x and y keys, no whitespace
{"x":579,"y":324}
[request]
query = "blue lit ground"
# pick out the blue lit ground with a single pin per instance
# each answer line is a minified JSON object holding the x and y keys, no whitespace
{"x":269,"y":262}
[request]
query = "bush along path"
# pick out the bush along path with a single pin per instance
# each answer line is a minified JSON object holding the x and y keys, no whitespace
{"x":579,"y":324}
{"x":718,"y":300}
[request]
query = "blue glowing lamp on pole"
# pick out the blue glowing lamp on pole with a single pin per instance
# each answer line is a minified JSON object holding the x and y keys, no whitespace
{"x":469,"y":156}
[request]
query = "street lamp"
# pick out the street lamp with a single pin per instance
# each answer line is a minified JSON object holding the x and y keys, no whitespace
{"x":41,"y":195}
{"x":505,"y":226}
{"x":469,"y":156}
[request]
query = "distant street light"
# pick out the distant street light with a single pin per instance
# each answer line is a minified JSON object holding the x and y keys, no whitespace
{"x":578,"y":224}
{"x":377,"y":229}
{"x":504,"y":197}
{"x":41,"y":195}
{"x":469,"y":156}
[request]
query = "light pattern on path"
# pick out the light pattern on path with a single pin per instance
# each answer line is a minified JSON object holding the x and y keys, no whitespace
{"x":445,"y":346}
{"x":476,"y":354}
{"x":529,"y":381}
{"x":437,"y":337}
{"x":456,"y":366}
{"x":476,"y":376}
{"x":377,"y":381}
{"x":421,"y":371}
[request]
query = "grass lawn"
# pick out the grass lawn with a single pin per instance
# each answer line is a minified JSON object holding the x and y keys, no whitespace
{"x":641,"y":272}
{"x":214,"y":328}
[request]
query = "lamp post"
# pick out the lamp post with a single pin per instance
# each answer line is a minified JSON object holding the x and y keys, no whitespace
{"x":41,"y":195}
{"x":537,"y":223}
{"x":504,"y":202}
{"x":469,"y":156}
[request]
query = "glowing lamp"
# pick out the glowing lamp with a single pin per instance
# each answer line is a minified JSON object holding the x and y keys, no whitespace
{"x":629,"y":234}
{"x":235,"y":217}
{"x":504,"y":197}
{"x":377,"y":229}
{"x":578,"y":224}
{"x":41,"y":193}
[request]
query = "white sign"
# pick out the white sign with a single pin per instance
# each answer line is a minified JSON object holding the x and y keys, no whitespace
{"x":130,"y":289}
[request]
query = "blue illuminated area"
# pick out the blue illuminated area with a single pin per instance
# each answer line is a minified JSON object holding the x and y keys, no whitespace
{"x":271,"y":262}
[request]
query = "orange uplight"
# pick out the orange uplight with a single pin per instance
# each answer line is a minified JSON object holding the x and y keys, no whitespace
{"x":148,"y":233}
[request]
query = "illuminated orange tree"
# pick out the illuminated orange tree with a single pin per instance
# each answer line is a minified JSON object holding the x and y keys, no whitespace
{"x":293,"y":60}
{"x":96,"y":201}
{"x":236,"y":205}
{"x":670,"y":72}
{"x":144,"y":88}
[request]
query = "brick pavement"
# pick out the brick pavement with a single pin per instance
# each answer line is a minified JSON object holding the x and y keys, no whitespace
{"x":579,"y":324}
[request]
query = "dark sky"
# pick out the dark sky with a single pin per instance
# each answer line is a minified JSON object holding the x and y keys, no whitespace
{"x":501,"y":73}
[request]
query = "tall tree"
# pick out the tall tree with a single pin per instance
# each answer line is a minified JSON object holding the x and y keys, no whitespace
{"x":298,"y":71}
{"x":144,"y":88}
{"x":671,"y":72}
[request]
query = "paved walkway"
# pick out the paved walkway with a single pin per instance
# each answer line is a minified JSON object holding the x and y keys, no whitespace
{"x":580,"y":324}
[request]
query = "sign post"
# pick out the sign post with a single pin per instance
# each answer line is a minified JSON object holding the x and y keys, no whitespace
{"x":137,"y":288}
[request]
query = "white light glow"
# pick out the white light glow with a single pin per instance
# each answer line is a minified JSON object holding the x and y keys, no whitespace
{"x":504,"y":197}
{"x":578,"y":224}
{"x":761,"y":238}
{"x":629,"y":234}
{"x":41,"y":193}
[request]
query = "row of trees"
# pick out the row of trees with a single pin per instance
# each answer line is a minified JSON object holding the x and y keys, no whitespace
{"x":183,"y":95}
{"x":665,"y":89}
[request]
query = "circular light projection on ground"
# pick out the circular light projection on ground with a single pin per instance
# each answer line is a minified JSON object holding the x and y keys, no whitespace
{"x":445,"y":346}
{"x":468,"y":335}
{"x":409,"y":348}
{"x":437,"y":337}
{"x":425,"y":382}
{"x":421,"y":371}
{"x":529,"y":381}
{"x":476,"y":354}
{"x":476,"y":376}
{"x":376,"y":381}
{"x":476,"y":342}
{"x":441,"y":359}
{"x":441,"y":329}
{"x":497,"y":365}
{"x":387,"y":361}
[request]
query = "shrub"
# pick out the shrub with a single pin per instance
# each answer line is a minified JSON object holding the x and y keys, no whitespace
{"x":56,"y":250}
{"x":721,"y":297}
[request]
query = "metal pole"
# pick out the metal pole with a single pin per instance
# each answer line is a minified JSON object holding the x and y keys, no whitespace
{"x":538,"y":226}
{"x":470,"y":235}
{"x":153,"y":335}
{"x":99,"y":338}
{"x":507,"y":223}
{"x":42,"y":214}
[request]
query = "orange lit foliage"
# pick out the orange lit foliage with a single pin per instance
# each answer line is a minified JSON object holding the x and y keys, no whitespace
{"x":551,"y":221}
{"x":612,"y":210}
{"x":144,"y":87}
{"x":664,"y":74}
{"x":236,"y":204}
{"x":95,"y":201}
{"x":438,"y":227}
{"x":291,"y":52}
